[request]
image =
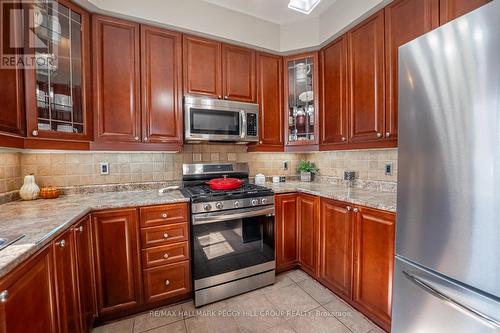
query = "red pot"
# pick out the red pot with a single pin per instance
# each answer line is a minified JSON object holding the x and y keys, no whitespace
{"x":225,"y":183}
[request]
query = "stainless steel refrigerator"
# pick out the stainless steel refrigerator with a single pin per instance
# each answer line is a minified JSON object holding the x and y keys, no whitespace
{"x":447,"y":266}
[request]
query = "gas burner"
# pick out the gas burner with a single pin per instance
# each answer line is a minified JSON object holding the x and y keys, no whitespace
{"x":203,"y":193}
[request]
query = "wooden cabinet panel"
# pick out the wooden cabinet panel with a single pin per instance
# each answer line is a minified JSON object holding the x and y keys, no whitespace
{"x":270,"y":100}
{"x":85,"y":267}
{"x":286,"y":231}
{"x":165,"y":214}
{"x":172,"y":233}
{"x":308,"y":217}
{"x":451,"y":9}
{"x":116,"y":68}
{"x":336,"y":246}
{"x":405,"y":20}
{"x":238,"y":66}
{"x":161,"y":77}
{"x":202,"y":66}
{"x":66,"y":283}
{"x":374,"y":263}
{"x":12,"y":117}
{"x":117,"y":265}
{"x":366,"y":80}
{"x":334,"y":112}
{"x":167,"y":281}
{"x":30,"y":304}
{"x":166,"y":254}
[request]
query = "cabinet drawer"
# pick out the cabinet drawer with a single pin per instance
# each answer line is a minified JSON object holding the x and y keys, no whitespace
{"x":161,"y":215}
{"x":172,"y":233}
{"x":165,"y":254}
{"x":167,"y":281}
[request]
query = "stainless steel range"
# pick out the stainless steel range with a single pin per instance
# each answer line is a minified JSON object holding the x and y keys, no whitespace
{"x":232,"y":232}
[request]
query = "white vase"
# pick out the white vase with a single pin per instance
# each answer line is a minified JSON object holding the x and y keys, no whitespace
{"x":29,"y":190}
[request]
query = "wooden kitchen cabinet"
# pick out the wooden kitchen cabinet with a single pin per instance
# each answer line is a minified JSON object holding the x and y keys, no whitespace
{"x":65,"y":275}
{"x":270,"y":100}
{"x":286,"y":231}
{"x":451,"y":9}
{"x":334,"y":126}
{"x":28,"y":297}
{"x":405,"y":20}
{"x":117,"y":263}
{"x":366,"y":80}
{"x":116,"y":70}
{"x":167,"y":282}
{"x":308,"y":223}
{"x":336,"y":246}
{"x":238,"y":68}
{"x":161,"y":77}
{"x":85,"y":269}
{"x":374,"y":233}
{"x":202,"y":66}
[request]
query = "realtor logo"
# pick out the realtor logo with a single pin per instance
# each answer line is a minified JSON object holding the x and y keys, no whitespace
{"x":23,"y":22}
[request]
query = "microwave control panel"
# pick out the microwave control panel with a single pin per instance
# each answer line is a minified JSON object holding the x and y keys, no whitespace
{"x":251,"y":124}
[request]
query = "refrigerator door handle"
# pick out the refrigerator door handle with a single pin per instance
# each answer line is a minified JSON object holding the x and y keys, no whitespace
{"x":447,"y":299}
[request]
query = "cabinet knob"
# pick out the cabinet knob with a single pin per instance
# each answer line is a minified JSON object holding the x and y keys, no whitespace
{"x":387,"y":134}
{"x":165,"y":256}
{"x":165,"y":235}
{"x":348,"y":208}
{"x":379,"y":135}
{"x":34,"y":133}
{"x":79,"y":229}
{"x":146,"y":138}
{"x":164,"y":215}
{"x":343,"y":138}
{"x":136,"y":138}
{"x":220,"y":96}
{"x":167,"y":282}
{"x":4,"y":296}
{"x":225,"y":97}
{"x":260,"y":142}
{"x":61,"y":243}
{"x":355,"y":210}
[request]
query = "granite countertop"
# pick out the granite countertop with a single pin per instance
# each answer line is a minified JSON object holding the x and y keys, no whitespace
{"x":380,"y":200}
{"x":43,"y":220}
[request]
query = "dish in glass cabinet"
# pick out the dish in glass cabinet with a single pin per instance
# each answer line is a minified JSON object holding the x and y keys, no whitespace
{"x":306,"y":96}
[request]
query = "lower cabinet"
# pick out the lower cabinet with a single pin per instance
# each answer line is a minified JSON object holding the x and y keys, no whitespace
{"x":167,"y":281}
{"x":308,"y":217}
{"x":286,"y":225}
{"x":27,"y":297}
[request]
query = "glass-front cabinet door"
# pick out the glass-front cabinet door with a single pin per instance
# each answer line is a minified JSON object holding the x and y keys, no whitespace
{"x":58,"y":81}
{"x":301,"y":119}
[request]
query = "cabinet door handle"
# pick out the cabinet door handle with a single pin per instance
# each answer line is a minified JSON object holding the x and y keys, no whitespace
{"x":146,"y":138}
{"x":348,"y":208}
{"x":165,"y":256}
{"x":225,"y":97}
{"x":34,"y":133}
{"x":379,"y":135}
{"x":4,"y":296}
{"x":343,"y":138}
{"x":79,"y":229}
{"x":260,"y":142}
{"x":62,"y":243}
{"x":167,"y":282}
{"x":136,"y":138}
{"x":387,"y":134}
{"x":220,"y":96}
{"x":355,"y":210}
{"x":164,"y":215}
{"x":165,"y":235}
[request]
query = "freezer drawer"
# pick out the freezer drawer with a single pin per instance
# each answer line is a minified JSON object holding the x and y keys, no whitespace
{"x":425,"y":302}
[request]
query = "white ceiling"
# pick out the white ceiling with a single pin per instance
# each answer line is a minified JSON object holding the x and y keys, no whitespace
{"x":275,"y":11}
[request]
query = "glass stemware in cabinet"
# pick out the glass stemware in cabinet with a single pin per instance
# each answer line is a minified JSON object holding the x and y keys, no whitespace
{"x":301,"y":106}
{"x":58,"y":72}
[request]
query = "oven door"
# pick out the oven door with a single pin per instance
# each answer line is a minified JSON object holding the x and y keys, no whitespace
{"x":213,"y":123}
{"x":232,"y":245}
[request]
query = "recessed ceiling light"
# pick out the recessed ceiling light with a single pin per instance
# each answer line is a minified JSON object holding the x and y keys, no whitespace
{"x":303,"y":6}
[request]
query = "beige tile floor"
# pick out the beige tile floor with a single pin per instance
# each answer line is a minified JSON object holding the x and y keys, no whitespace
{"x":295,"y":303}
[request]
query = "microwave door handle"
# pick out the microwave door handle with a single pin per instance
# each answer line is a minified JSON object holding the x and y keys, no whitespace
{"x":227,"y":217}
{"x":243,"y":123}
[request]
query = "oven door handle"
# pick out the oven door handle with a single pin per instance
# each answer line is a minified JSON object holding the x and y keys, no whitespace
{"x":221,"y":216}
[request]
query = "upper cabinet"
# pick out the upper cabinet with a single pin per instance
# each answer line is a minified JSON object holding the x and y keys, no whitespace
{"x":405,"y":20}
{"x":366,"y":76}
{"x":218,"y":70}
{"x":270,"y":100}
{"x":202,"y":67}
{"x":138,"y":97}
{"x":57,"y":89}
{"x":333,"y":108}
{"x":116,"y":65}
{"x":301,"y":101}
{"x":451,"y":9}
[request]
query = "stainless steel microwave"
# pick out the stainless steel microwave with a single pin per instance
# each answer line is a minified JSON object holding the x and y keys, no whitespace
{"x":208,"y":119}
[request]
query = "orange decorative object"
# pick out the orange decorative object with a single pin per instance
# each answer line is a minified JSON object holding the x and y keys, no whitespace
{"x":49,"y":192}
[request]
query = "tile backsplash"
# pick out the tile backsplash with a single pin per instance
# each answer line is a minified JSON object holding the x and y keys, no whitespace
{"x":68,"y":168}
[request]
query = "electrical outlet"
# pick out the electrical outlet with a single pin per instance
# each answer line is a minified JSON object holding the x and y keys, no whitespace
{"x":388,"y":168}
{"x":285,"y":165}
{"x":104,"y":168}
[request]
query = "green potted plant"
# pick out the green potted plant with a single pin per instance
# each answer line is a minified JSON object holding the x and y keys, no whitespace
{"x":307,"y":169}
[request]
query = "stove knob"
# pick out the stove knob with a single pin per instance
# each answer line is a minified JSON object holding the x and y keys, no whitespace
{"x":219,"y":205}
{"x":236,"y":204}
{"x":254,"y":202}
{"x":264,"y":201}
{"x":207,"y":207}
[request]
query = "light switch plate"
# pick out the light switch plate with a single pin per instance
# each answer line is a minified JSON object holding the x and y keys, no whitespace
{"x":104,"y":168}
{"x":285,"y":165}
{"x":388,"y":168}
